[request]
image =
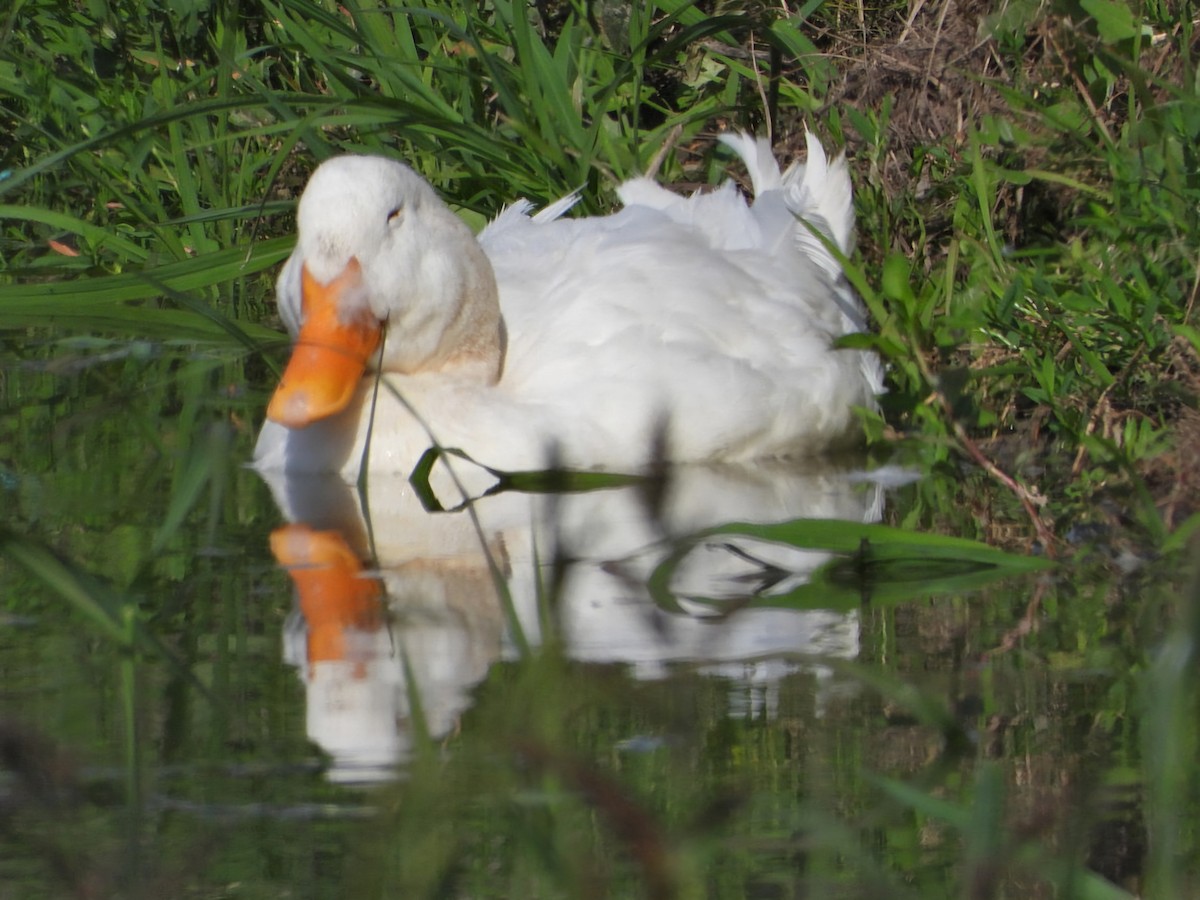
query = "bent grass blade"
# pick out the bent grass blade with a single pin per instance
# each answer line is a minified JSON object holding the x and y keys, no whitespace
{"x":875,"y":563}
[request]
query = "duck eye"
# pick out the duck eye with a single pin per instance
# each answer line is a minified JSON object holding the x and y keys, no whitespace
{"x":395,"y":215}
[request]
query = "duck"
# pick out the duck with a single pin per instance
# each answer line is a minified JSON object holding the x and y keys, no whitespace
{"x":697,"y":328}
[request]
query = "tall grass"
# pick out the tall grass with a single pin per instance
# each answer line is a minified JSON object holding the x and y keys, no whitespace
{"x":1032,"y":275}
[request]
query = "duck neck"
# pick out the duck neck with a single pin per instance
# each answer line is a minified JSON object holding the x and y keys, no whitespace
{"x":474,"y":341}
{"x":451,"y":324}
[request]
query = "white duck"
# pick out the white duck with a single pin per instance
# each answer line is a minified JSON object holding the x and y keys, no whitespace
{"x":572,"y":340}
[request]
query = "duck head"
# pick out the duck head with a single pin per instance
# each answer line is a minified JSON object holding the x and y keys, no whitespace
{"x":377,"y":247}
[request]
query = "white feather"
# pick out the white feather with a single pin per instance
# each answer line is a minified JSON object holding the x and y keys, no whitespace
{"x":704,"y":314}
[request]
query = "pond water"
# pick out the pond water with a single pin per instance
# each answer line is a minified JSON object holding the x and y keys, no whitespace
{"x":216,"y":686}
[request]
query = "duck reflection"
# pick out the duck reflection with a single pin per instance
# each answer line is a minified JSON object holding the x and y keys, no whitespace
{"x":398,"y":614}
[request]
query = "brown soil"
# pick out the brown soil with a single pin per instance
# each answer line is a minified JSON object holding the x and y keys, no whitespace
{"x":939,"y":74}
{"x":943,"y":73}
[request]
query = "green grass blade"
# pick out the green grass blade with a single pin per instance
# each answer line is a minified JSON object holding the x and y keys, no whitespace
{"x":100,"y":237}
{"x":875,"y":563}
{"x":197,"y":473}
{"x":181,"y":275}
{"x":880,"y":542}
{"x":91,"y":599}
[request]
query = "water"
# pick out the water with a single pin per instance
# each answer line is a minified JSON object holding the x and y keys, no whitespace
{"x":648,"y":712}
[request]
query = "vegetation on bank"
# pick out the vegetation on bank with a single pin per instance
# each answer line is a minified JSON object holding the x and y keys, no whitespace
{"x":1027,"y":185}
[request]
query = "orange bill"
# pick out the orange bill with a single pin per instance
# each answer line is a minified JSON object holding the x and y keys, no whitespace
{"x":335,"y":598}
{"x":331,"y":352}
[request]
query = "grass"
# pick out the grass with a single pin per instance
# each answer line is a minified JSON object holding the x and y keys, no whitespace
{"x":1032,"y":275}
{"x":1028,"y":189}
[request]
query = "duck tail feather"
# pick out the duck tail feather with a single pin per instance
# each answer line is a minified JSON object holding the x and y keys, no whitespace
{"x":643,"y":191}
{"x":820,"y":193}
{"x":515,"y":212}
{"x":558,"y":208}
{"x":760,"y":161}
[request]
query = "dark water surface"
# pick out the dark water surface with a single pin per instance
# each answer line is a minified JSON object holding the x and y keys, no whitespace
{"x":180,"y":716}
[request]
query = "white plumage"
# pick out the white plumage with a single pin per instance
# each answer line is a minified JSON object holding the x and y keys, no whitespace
{"x":705,"y":316}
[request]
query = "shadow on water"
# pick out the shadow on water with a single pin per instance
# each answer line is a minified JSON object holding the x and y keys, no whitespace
{"x":742,"y":684}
